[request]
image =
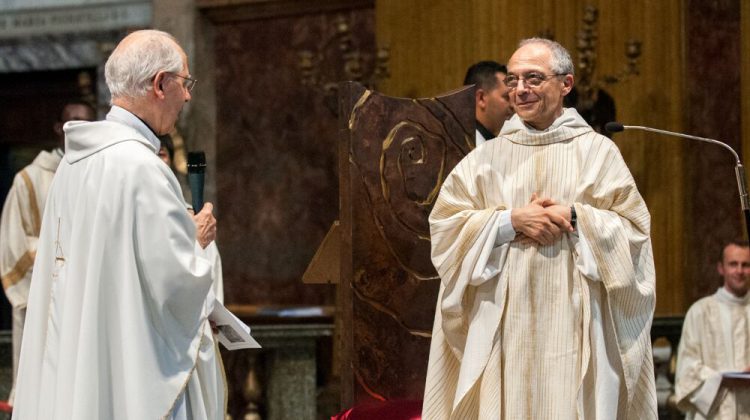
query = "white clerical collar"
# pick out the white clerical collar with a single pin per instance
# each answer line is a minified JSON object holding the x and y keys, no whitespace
{"x":725,"y":295}
{"x":569,"y":118}
{"x":123,"y":116}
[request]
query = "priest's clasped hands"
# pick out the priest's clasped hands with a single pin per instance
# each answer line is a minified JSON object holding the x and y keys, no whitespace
{"x":542,"y":220}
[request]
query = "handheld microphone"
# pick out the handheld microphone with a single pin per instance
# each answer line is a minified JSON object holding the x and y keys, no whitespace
{"x":196,"y":166}
{"x":739,"y":170}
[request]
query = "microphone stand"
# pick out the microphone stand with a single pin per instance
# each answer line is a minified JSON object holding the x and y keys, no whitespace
{"x":739,"y":170}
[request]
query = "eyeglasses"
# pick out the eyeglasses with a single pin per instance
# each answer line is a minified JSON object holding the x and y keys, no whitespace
{"x":530,"y":79}
{"x":188,"y":82}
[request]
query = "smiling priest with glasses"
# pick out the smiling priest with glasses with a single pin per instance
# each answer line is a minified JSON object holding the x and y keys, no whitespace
{"x":542,"y":243}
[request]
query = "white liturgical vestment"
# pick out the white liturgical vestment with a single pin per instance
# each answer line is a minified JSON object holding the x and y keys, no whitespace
{"x":117,"y":324}
{"x":715,"y":340}
{"x":525,"y":331}
{"x":212,"y":255}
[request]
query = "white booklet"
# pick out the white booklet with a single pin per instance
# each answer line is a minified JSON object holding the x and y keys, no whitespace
{"x":233,"y":333}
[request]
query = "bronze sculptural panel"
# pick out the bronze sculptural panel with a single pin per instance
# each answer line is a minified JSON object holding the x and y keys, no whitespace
{"x":395,"y":154}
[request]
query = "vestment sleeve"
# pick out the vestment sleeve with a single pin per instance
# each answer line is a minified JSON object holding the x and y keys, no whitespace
{"x":211,"y":253}
{"x":616,"y":224}
{"x":464,"y":250}
{"x":175,"y":279}
{"x":697,"y":386}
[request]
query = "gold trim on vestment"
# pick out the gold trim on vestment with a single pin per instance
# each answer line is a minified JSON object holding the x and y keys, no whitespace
{"x":190,"y":374}
{"x":19,"y":270}
{"x":35,"y":214}
{"x":223,"y":375}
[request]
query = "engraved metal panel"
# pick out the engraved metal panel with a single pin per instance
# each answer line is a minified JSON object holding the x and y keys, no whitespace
{"x":395,"y":154}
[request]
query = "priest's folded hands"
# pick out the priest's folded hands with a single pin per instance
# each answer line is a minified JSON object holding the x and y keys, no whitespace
{"x":542,"y":221}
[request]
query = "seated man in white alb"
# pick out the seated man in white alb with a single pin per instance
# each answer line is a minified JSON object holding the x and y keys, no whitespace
{"x":716,"y":342}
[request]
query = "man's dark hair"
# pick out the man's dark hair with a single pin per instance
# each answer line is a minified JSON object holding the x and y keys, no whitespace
{"x":736,"y":242}
{"x":70,"y":102}
{"x":483,"y":73}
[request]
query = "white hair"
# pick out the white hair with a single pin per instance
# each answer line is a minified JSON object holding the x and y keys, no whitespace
{"x":561,"y":62}
{"x":132,"y":65}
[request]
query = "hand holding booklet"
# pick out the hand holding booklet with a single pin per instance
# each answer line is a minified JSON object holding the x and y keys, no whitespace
{"x":233,"y":333}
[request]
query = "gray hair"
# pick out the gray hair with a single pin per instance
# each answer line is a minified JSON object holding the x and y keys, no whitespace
{"x":132,"y":65}
{"x":561,"y":61}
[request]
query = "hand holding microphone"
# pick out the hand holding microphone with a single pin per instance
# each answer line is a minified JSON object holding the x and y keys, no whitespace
{"x":196,"y":166}
{"x":203,"y":217}
{"x":205,"y":225}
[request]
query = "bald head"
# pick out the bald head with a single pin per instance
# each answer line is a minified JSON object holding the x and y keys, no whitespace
{"x":138,"y":58}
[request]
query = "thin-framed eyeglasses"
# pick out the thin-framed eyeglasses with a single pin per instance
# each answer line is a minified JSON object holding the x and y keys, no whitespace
{"x":531,"y":79}
{"x":188,"y":82}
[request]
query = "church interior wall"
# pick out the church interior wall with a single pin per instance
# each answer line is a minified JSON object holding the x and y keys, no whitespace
{"x":271,"y":139}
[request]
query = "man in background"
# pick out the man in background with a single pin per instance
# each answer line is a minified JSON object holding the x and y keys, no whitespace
{"x":715,"y":342}
{"x":117,"y":326}
{"x":491,"y":97}
{"x":21,"y":221}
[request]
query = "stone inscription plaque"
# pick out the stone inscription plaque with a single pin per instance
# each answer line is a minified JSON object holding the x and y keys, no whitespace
{"x":74,"y":19}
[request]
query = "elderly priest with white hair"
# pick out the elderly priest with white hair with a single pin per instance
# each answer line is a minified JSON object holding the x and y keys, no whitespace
{"x":542,"y":243}
{"x":117,"y":322}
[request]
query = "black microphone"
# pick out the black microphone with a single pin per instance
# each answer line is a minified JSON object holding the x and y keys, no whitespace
{"x":614,"y":127}
{"x":196,"y":166}
{"x":739,"y":170}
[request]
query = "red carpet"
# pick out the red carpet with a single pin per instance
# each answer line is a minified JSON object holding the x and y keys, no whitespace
{"x":388,"y":410}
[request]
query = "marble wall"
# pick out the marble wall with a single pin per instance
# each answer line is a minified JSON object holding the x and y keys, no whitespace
{"x":712,"y":81}
{"x":276,"y":152}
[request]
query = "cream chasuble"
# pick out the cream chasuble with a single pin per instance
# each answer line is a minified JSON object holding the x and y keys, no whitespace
{"x":520,"y":331}
{"x":21,"y":222}
{"x":116,"y":325}
{"x":714,"y":340}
